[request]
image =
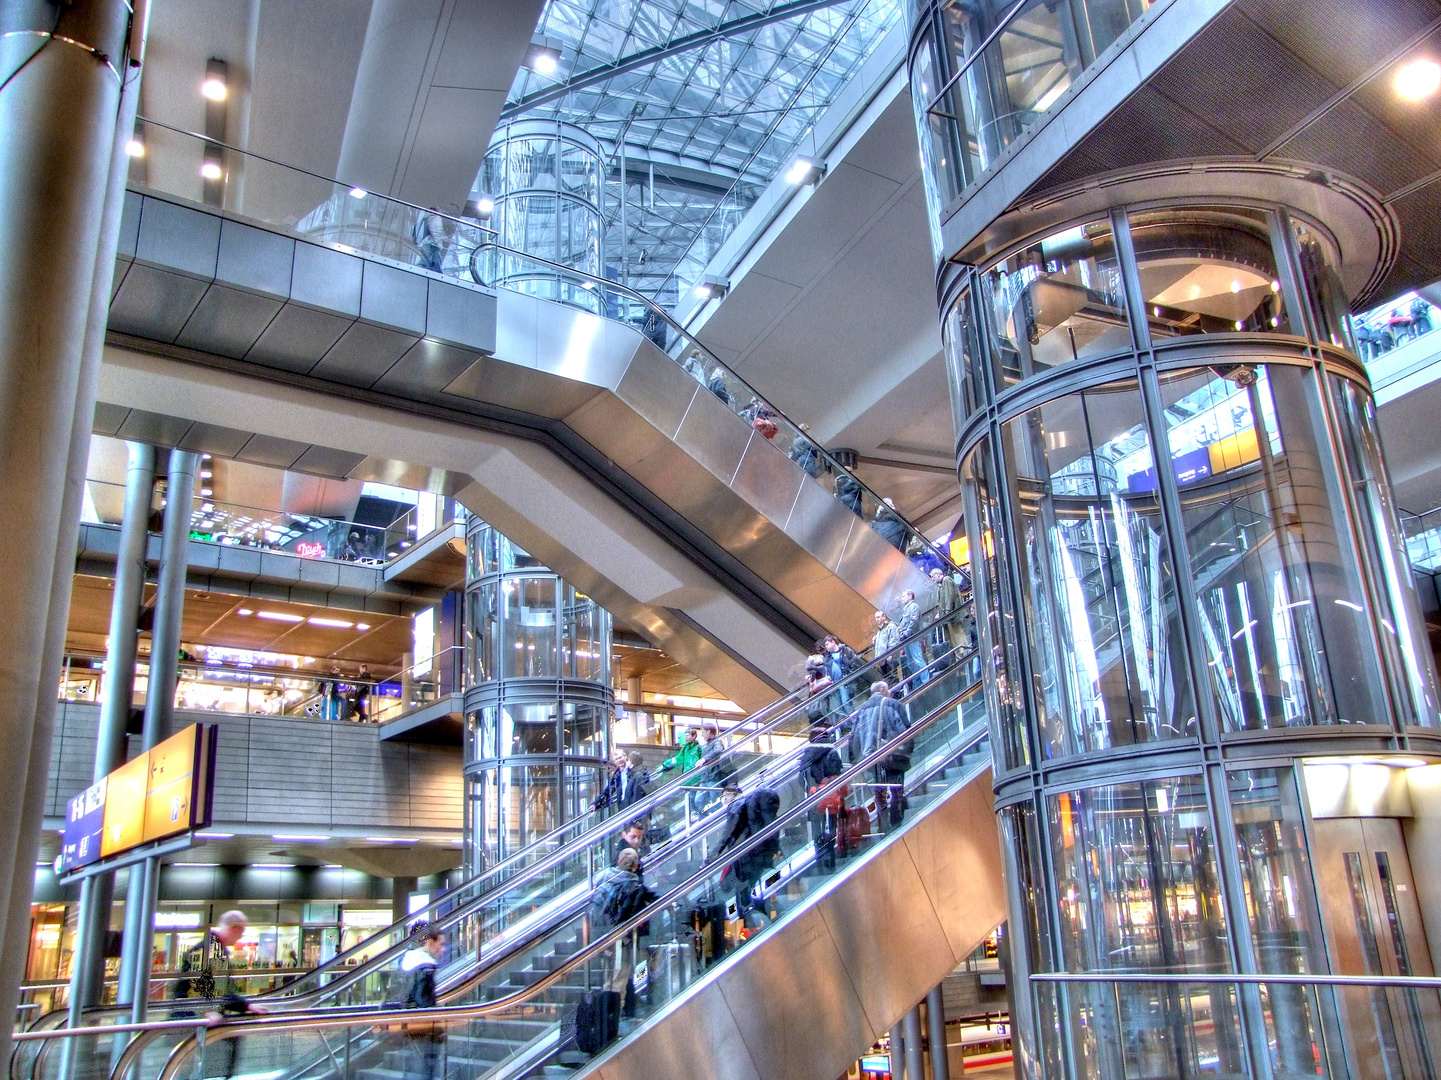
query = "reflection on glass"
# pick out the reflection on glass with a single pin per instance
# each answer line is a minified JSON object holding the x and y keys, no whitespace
{"x":1208,"y":272}
{"x":965,"y":366}
{"x":1324,"y":291}
{"x":1057,"y":301}
{"x":1101,"y":611}
{"x":1138,"y":890}
{"x":1403,"y":636}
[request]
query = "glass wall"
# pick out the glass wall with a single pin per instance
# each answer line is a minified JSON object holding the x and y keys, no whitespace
{"x":539,"y":705}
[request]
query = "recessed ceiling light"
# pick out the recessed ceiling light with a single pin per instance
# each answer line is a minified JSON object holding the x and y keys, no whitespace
{"x":358,"y":193}
{"x":362,"y":626}
{"x":340,"y":623}
{"x":1418,"y":79}
{"x":280,"y":616}
{"x":211,"y":170}
{"x":135,"y":148}
{"x":213,"y":88}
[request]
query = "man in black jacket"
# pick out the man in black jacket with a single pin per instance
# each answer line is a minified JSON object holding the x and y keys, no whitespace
{"x":877,"y":722}
{"x":818,"y":766}
{"x":746,"y":817}
{"x":618,"y":898}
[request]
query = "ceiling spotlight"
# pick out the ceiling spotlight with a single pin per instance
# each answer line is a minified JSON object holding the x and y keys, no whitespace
{"x":711,"y":288}
{"x":211,"y":170}
{"x":362,"y":626}
{"x":213,"y":88}
{"x":804,"y":171}
{"x":135,"y":148}
{"x":358,"y":193}
{"x":1418,"y":79}
{"x":485,"y":205}
{"x":543,"y":57}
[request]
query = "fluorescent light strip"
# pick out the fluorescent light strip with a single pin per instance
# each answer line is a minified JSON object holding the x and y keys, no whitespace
{"x":297,"y":836}
{"x":214,"y":835}
{"x":280,"y":616}
{"x":339,"y":623}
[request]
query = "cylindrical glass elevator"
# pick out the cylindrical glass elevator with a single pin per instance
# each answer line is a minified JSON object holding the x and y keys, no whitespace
{"x":539,"y":700}
{"x":1190,"y":581}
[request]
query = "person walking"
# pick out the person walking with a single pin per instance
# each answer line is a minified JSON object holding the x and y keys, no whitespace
{"x":210,"y":982}
{"x":431,"y":239}
{"x":420,"y":963}
{"x":890,"y":526}
{"x":879,"y":721}
{"x":805,"y":453}
{"x":360,"y":701}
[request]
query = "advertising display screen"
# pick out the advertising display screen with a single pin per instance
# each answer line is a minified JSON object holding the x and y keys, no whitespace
{"x":161,"y":793}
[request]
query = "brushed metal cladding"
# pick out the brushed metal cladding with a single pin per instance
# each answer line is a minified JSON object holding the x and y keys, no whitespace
{"x":129,"y":225}
{"x":228,"y":322}
{"x":426,"y":369}
{"x":959,"y":859}
{"x":213,"y":439}
{"x":297,"y":338}
{"x":671,"y":1049}
{"x":523,"y":389}
{"x":460,"y":316}
{"x":658,"y":389}
{"x":582,"y":347}
{"x":149,"y":427}
{"x":179,"y":238}
{"x":268,"y":450}
{"x":517,"y":318}
{"x":823,"y":1014}
{"x":768,"y":480}
{"x":108,"y":418}
{"x":810,"y":998}
{"x":869,"y":564}
{"x":612,"y":427}
{"x":887,"y":891}
{"x":323,"y":461}
{"x":713,"y":435}
{"x":392,"y":297}
{"x":154,"y":304}
{"x":820,"y":524}
{"x":363,"y":354}
{"x":845,"y":613}
{"x":255,"y":259}
{"x":326,"y":279}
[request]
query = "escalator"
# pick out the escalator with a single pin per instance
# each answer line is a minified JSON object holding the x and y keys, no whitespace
{"x":520,"y":386}
{"x":484,"y":916}
{"x":835,"y":949}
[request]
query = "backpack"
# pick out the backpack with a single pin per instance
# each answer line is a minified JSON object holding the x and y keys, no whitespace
{"x":762,"y":806}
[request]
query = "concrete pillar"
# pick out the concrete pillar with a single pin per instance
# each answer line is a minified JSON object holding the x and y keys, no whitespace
{"x":57,"y":126}
{"x":898,"y":1052}
{"x":400,"y":890}
{"x":936,"y":1032}
{"x":160,"y":707}
{"x":915,"y":1066}
{"x":96,"y":893}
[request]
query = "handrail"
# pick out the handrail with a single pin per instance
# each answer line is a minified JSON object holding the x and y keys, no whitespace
{"x":1420,"y":982}
{"x":349,"y":1018}
{"x":695,"y":346}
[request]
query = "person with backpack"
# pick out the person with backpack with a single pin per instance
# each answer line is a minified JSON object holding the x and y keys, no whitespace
{"x":420,"y":963}
{"x":819,"y":765}
{"x":877,"y":722}
{"x":745,"y":818}
{"x":619,"y":897}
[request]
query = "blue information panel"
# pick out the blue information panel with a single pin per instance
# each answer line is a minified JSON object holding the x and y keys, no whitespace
{"x":84,"y":822}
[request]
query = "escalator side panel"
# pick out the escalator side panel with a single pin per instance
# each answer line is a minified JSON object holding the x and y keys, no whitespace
{"x":810,"y":997}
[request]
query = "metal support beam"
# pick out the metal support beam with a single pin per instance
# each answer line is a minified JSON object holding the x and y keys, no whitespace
{"x":915,"y":1064}
{"x":57,"y":127}
{"x":898,"y":1051}
{"x":936,"y":1030}
{"x":635,"y":61}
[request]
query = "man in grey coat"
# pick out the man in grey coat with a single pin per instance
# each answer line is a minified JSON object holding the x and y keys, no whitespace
{"x":879,"y":721}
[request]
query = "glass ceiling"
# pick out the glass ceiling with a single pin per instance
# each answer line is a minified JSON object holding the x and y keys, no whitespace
{"x":706,"y":128}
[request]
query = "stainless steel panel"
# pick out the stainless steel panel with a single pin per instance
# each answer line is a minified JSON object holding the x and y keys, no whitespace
{"x":227,"y":321}
{"x":323,"y":461}
{"x":799,"y":1016}
{"x":657,"y":388}
{"x":268,"y":450}
{"x":153,"y":303}
{"x":461,"y":316}
{"x":869,"y":566}
{"x":202,"y":557}
{"x":516,"y":319}
{"x":524,"y":389}
{"x":178,"y":238}
{"x":326,"y":279}
{"x":842,"y":611}
{"x":129,"y":226}
{"x":702,"y":1027}
{"x":889,"y":938}
{"x":957,"y":852}
{"x":392,"y":297}
{"x":301,"y":594}
{"x":279,"y":567}
{"x":320,"y":572}
{"x":108,"y":418}
{"x":358,"y":578}
{"x":363,"y":354}
{"x":713,"y":435}
{"x":122,"y":267}
{"x":768,"y":480}
{"x":297,"y":338}
{"x":153,"y":428}
{"x":426,"y":369}
{"x":820,"y":524}
{"x":579,"y":346}
{"x":212,"y":439}
{"x":782,"y":562}
{"x":235,"y":560}
{"x":613,"y":428}
{"x":909,"y":576}
{"x":255,"y":259}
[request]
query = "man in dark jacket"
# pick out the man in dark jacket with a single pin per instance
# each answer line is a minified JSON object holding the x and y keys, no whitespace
{"x":626,"y":786}
{"x":877,"y":722}
{"x":746,"y":817}
{"x":890,"y":526}
{"x":848,"y":491}
{"x":210,"y":980}
{"x":818,"y":766}
{"x":620,"y":897}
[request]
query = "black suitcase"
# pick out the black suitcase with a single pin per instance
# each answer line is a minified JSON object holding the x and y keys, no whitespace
{"x":597,"y":1020}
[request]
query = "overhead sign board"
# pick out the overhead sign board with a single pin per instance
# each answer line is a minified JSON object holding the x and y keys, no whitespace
{"x":166,"y":791}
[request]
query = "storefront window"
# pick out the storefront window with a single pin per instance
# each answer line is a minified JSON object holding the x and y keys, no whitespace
{"x":1282,"y":609}
{"x":1102,"y":615}
{"x":1208,"y":272}
{"x":1403,"y":635}
{"x":1058,"y":301}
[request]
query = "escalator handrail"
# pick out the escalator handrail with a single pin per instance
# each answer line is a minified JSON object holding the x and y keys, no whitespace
{"x":351,"y":1018}
{"x":694,"y":345}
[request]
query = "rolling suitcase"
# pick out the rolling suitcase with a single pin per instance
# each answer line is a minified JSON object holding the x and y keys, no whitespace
{"x":597,"y":1020}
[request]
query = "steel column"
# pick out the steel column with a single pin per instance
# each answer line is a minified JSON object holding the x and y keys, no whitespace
{"x":915,"y":1063}
{"x":57,"y":124}
{"x":898,"y":1051}
{"x":936,"y":1030}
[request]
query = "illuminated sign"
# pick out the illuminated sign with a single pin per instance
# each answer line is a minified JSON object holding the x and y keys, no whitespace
{"x":163,"y":792}
{"x":309,"y":549}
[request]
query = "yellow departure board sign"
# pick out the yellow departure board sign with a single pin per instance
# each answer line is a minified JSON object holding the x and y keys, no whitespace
{"x":169,"y":795}
{"x":125,"y":806}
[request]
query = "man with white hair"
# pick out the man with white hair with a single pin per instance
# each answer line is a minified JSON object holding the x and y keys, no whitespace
{"x":213,"y":984}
